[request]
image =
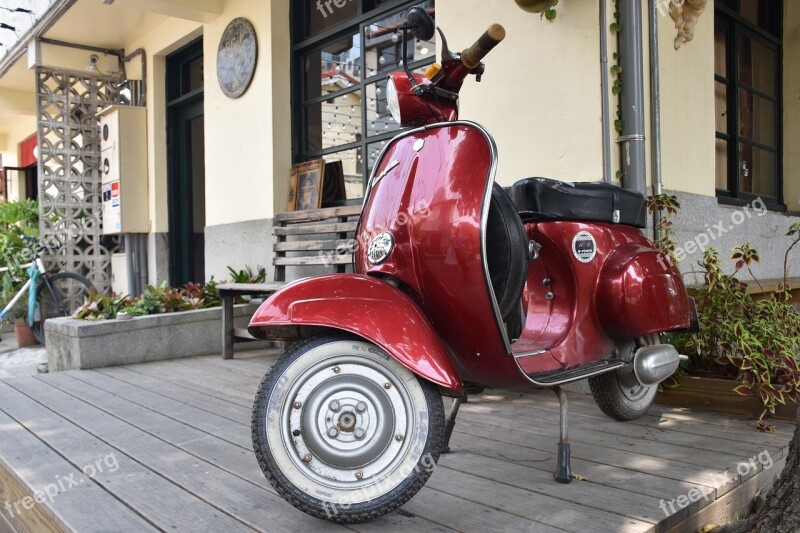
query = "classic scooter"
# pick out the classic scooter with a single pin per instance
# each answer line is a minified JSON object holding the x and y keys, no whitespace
{"x":463,"y":286}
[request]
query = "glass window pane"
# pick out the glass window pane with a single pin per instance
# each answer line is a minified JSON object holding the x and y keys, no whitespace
{"x":757,"y":65}
{"x":334,"y":122}
{"x":379,"y":120}
{"x":757,"y":118}
{"x":383,"y":48}
{"x":333,"y":67}
{"x":352,"y":167}
{"x":762,"y":13}
{"x":326,"y":14}
{"x":722,"y":164}
{"x":758,"y":172}
{"x":192,"y":75}
{"x":720,"y":49}
{"x":373,"y":151}
{"x":721,"y":105}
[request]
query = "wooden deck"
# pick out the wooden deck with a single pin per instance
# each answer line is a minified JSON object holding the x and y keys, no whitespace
{"x":166,"y":446}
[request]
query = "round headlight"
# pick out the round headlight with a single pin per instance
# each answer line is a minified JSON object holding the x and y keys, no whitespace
{"x":393,"y":100}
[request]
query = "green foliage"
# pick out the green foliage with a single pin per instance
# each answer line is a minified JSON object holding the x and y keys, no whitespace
{"x":17,"y":221}
{"x":158,"y":299}
{"x":668,"y":206}
{"x":550,"y":13}
{"x":246,"y":275}
{"x":755,"y":341}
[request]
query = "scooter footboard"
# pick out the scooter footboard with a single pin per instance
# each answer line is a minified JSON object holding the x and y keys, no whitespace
{"x":364,"y":306}
{"x":640,"y":293}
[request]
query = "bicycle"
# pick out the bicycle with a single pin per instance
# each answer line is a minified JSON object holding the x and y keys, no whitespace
{"x":54,"y":295}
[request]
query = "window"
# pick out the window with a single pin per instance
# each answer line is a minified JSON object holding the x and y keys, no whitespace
{"x":343,"y":53}
{"x":747,"y":73}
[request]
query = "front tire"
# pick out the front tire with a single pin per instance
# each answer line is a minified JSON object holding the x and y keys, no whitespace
{"x":69,"y":288}
{"x":620,"y":395}
{"x":343,"y":431}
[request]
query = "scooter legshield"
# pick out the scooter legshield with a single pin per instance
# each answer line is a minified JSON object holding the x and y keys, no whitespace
{"x":364,"y":306}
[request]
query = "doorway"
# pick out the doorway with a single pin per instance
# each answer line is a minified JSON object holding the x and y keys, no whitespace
{"x":186,"y":163}
{"x":21,"y":182}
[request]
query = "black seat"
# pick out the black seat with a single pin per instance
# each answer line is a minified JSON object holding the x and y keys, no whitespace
{"x":547,"y":199}
{"x":507,"y":258}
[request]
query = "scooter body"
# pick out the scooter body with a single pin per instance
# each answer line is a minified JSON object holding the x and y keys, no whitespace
{"x":458,"y":285}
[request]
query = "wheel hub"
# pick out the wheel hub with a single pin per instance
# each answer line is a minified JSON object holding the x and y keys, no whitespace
{"x":347,"y":422}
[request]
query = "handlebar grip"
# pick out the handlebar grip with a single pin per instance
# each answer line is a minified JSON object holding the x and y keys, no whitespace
{"x":472,"y":56}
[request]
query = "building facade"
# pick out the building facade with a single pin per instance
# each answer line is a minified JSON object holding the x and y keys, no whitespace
{"x":216,"y":169}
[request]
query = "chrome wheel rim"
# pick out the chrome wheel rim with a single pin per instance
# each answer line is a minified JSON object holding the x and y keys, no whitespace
{"x":344,"y":421}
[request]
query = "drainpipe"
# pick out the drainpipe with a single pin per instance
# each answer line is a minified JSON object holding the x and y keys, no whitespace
{"x":655,"y":110}
{"x":605,"y":92}
{"x":632,"y":140}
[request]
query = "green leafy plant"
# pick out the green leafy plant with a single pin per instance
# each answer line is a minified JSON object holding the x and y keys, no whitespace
{"x":19,"y":228}
{"x":246,"y":275}
{"x":755,"y":341}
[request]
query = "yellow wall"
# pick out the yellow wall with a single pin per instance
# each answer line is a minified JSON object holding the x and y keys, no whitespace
{"x":687,"y":107}
{"x":248,"y":138}
{"x":791,"y":102}
{"x":158,"y":43}
{"x":540,"y":96}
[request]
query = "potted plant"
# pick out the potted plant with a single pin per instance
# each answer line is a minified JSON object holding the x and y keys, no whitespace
{"x":746,"y":357}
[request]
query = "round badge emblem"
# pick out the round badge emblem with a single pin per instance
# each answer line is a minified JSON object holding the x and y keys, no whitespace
{"x":380,"y":248}
{"x":584,"y":247}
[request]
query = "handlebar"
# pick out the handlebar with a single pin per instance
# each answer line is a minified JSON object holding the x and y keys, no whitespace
{"x":472,"y":56}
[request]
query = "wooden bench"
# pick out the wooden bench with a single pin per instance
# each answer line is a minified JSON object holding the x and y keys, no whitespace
{"x":314,"y":238}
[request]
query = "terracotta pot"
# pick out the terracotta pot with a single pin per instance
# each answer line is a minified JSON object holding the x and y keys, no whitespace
{"x":535,"y":6}
{"x":24,"y":335}
{"x":717,"y":395}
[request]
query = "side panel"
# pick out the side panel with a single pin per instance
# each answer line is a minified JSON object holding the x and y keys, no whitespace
{"x":431,"y":191}
{"x":641,"y":293}
{"x":367,"y":307}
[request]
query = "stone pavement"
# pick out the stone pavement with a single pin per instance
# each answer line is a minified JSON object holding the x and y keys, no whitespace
{"x":16,"y":361}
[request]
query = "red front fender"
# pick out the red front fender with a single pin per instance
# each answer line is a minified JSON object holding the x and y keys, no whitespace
{"x":365,"y":306}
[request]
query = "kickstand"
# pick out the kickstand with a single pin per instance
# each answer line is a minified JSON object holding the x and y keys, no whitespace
{"x":450,"y":423}
{"x":563,"y":473}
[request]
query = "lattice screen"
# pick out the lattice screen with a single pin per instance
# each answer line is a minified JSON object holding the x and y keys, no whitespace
{"x":70,"y":196}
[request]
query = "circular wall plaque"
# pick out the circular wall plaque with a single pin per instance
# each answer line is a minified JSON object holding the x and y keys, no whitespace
{"x":236,"y":57}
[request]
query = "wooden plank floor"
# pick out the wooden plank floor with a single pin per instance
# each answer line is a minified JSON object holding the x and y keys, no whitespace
{"x":166,"y":447}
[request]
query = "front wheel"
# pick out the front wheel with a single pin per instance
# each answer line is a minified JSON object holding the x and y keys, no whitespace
{"x":67,"y":292}
{"x":343,"y":431}
{"x":620,"y":395}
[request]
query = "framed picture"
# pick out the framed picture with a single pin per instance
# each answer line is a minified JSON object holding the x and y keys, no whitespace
{"x":305,"y":190}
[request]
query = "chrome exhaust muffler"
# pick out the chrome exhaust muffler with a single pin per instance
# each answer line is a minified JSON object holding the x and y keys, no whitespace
{"x":653,"y":364}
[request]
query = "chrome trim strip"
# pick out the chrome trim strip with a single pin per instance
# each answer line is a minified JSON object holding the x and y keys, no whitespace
{"x":487,"y":198}
{"x":529,"y":354}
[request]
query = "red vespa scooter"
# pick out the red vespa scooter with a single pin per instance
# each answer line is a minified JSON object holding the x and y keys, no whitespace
{"x":463,"y":285}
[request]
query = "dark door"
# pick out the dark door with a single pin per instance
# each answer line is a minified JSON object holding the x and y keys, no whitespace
{"x":186,"y":154}
{"x":25,"y":177}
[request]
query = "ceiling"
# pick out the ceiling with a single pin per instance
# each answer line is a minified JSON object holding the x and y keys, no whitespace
{"x":88,"y":22}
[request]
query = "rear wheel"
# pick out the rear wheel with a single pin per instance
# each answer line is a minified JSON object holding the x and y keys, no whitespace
{"x":620,"y":395}
{"x":69,"y":292}
{"x":343,"y":431}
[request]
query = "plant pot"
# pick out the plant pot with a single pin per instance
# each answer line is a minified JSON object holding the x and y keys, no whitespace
{"x":713,"y":394}
{"x":24,"y":335}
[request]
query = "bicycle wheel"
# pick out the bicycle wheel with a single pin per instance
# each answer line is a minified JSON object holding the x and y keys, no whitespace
{"x":67,"y":292}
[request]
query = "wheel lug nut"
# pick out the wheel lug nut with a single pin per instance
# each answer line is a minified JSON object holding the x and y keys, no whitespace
{"x":336,"y":370}
{"x":398,"y":437}
{"x":333,"y":432}
{"x":307,"y":458}
{"x":359,"y":474}
{"x":296,"y":432}
{"x":387,"y":385}
{"x":361,"y":407}
{"x":334,"y":405}
{"x":297,"y":405}
{"x":360,"y":433}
